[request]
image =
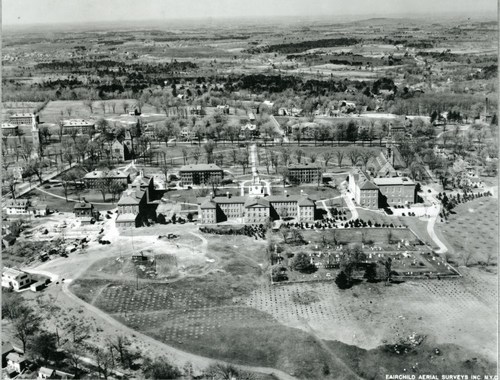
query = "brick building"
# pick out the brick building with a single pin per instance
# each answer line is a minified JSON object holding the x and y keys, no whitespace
{"x":250,"y":210}
{"x":304,"y":173}
{"x":80,"y":125}
{"x":200,"y":174}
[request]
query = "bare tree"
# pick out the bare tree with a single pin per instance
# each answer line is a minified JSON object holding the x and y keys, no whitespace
{"x":466,"y":257}
{"x":340,"y":157}
{"x":125,"y":106}
{"x":327,"y":156}
{"x":353,"y":155}
{"x":89,"y":104}
{"x":196,"y":155}
{"x":299,"y":153}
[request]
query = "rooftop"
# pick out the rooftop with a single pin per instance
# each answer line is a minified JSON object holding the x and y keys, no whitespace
{"x":393,"y":181}
{"x":82,"y":206}
{"x":77,"y":122}
{"x":17,"y":203}
{"x":199,"y":167}
{"x":303,"y":166}
{"x":22,"y":115}
{"x":9,"y":126}
{"x":131,"y":197}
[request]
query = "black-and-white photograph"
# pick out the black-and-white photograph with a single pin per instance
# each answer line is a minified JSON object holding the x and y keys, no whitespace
{"x":249,"y":190}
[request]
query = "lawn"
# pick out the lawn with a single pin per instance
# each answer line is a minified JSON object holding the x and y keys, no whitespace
{"x":473,"y":227}
{"x":51,"y":197}
{"x":57,"y":109}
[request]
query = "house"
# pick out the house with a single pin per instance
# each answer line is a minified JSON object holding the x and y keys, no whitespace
{"x":117,"y":150}
{"x":347,"y":107}
{"x":40,"y":209}
{"x":7,"y":348}
{"x":37,"y":286}
{"x":45,"y":373}
{"x":15,"y":279}
{"x":8,"y":240}
{"x":200,"y":174}
{"x":16,"y":362}
{"x":304,"y":173}
{"x":17,"y":207}
{"x":83,"y":209}
{"x":251,"y":116}
{"x":80,"y":125}
{"x":223,"y":108}
{"x":9,"y":129}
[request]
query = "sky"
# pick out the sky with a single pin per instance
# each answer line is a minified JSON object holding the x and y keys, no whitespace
{"x":25,"y":12}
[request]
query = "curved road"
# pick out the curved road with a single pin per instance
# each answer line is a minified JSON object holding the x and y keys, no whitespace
{"x":176,"y":355}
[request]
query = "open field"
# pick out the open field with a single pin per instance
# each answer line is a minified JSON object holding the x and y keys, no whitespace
{"x":229,"y":315}
{"x":58,"y":109}
{"x":473,"y":228}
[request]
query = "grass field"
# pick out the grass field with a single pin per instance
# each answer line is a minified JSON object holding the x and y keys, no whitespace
{"x":58,"y":109}
{"x":473,"y":228}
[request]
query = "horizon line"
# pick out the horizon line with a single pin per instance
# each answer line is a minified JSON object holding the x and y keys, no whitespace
{"x":299,"y":18}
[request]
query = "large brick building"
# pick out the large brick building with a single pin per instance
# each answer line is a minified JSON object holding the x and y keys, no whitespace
{"x":396,"y":190}
{"x":250,"y":210}
{"x":23,"y":119}
{"x":200,"y":174}
{"x":304,"y":173}
{"x":137,"y":205}
{"x":92,"y":180}
{"x":379,"y":192}
{"x":80,"y":125}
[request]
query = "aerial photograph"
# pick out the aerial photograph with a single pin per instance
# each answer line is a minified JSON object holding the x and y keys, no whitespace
{"x":249,"y":190}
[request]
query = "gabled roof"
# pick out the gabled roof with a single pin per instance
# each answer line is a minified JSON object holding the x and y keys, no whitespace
{"x":7,"y":347}
{"x":83,"y":206}
{"x":306,"y":202}
{"x":394,"y":181}
{"x":15,"y":357}
{"x":17,"y":203}
{"x":46,"y":371}
{"x":208,"y":205}
{"x":131,"y":197}
{"x":368,"y":185}
{"x":256,"y":202}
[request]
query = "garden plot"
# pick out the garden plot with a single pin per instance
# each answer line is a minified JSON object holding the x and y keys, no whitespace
{"x":370,"y":315}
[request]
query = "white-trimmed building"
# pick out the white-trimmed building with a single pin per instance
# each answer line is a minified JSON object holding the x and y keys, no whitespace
{"x":15,"y":279}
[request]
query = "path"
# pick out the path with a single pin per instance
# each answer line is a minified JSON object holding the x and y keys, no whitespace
{"x":350,"y":204}
{"x":328,"y":212}
{"x":433,"y":212}
{"x":69,"y":199}
{"x":175,"y":355}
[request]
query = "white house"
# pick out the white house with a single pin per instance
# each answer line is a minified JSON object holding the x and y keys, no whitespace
{"x":15,"y":279}
{"x":17,"y":207}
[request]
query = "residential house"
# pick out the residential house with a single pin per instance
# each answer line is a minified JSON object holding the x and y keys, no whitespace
{"x":45,"y":373}
{"x":200,"y":174}
{"x":17,"y":207}
{"x":83,"y":209}
{"x":7,"y":348}
{"x":15,"y":279}
{"x":8,"y":240}
{"x":16,"y":363}
{"x":117,"y":151}
{"x":40,"y":209}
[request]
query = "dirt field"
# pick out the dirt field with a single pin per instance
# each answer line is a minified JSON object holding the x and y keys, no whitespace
{"x":228,"y":310}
